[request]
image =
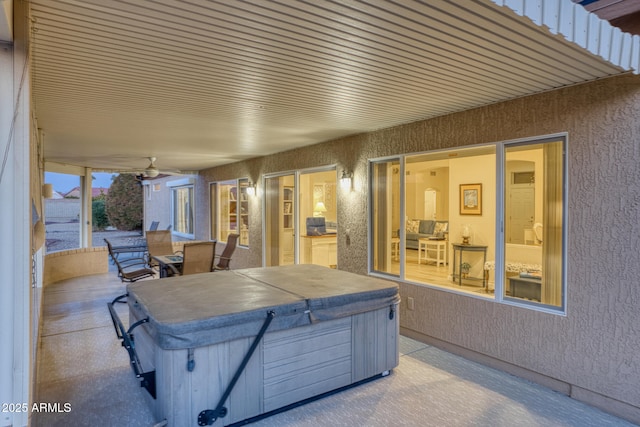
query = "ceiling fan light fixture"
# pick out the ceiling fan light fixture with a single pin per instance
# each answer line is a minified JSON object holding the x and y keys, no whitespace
{"x":151,"y":171}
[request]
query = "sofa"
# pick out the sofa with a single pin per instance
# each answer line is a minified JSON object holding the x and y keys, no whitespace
{"x":424,"y":228}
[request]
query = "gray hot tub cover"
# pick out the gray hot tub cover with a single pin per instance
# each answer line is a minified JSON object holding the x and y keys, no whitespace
{"x":203,"y":309}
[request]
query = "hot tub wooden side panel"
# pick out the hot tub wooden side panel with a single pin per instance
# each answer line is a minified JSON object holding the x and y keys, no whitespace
{"x":375,"y":343}
{"x":182,"y":395}
{"x":288,"y":366}
{"x":303,"y":362}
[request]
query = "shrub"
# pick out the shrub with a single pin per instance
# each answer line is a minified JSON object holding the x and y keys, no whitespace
{"x":124,"y":203}
{"x":100,"y":219}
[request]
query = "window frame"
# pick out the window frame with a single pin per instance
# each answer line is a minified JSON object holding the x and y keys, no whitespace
{"x":500,"y":213}
{"x":501,"y":181}
{"x":189,"y":184}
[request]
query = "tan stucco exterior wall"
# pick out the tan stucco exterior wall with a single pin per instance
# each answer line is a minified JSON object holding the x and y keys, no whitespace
{"x":591,"y":353}
{"x":75,"y":263}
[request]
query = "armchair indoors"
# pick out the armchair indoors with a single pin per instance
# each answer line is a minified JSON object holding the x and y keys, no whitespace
{"x":196,"y":258}
{"x":224,"y":259}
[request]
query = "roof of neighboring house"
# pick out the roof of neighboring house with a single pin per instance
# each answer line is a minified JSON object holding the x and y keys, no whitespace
{"x":95,"y":192}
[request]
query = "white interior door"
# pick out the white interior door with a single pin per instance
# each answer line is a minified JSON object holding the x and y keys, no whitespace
{"x":430,"y":200}
{"x":521,"y":208}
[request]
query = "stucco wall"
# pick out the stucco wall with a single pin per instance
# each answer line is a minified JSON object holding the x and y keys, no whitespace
{"x":157,"y":204}
{"x":592,"y":351}
{"x":74,"y":263}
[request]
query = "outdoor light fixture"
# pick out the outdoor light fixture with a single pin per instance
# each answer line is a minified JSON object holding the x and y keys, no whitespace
{"x":251,"y":189}
{"x":345,"y":180}
{"x":47,"y":191}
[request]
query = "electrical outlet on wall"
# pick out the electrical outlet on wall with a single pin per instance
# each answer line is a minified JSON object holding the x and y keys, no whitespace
{"x":410,"y":303}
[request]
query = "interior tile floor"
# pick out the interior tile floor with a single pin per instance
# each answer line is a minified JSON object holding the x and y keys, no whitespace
{"x":81,"y":362}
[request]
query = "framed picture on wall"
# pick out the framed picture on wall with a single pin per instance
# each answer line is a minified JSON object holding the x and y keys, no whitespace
{"x":470,"y":199}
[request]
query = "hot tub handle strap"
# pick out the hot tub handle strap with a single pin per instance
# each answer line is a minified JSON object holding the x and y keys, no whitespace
{"x":209,"y":416}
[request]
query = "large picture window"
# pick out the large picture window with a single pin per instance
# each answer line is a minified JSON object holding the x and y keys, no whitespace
{"x":455,"y":218}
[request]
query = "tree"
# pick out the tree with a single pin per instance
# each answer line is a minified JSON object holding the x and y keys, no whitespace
{"x":100,"y":219}
{"x":124,"y":203}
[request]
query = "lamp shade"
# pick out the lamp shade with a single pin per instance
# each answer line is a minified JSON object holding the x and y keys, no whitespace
{"x":320,"y":207}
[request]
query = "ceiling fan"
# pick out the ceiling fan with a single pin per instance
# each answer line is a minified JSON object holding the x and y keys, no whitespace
{"x":151,"y":171}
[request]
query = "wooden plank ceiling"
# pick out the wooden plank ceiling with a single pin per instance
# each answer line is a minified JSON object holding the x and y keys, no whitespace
{"x":200,"y":83}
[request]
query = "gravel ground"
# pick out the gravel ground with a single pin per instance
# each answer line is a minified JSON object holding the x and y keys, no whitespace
{"x":66,"y":235}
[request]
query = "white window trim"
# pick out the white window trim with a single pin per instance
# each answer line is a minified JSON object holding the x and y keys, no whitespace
{"x":174,"y":185}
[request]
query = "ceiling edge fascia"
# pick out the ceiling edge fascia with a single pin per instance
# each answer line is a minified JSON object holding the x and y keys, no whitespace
{"x":64,"y":168}
{"x":583,"y":28}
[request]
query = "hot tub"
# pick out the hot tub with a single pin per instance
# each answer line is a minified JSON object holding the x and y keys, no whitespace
{"x":325,"y":329}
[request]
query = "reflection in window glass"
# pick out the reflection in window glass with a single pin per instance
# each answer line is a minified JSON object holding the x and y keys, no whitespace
{"x":534,"y":211}
{"x":182,"y":198}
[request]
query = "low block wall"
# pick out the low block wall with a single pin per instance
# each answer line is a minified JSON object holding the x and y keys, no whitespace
{"x":75,"y":263}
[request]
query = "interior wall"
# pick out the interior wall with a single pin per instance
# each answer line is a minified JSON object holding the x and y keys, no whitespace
{"x":592,"y":348}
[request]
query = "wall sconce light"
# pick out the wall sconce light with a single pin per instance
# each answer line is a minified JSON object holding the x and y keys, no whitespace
{"x":47,"y":191}
{"x":346,"y":180}
{"x":251,"y":189}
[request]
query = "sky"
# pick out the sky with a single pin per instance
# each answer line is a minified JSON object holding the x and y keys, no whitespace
{"x":62,"y":183}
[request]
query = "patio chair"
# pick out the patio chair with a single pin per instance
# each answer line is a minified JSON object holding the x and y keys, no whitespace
{"x":224,"y":259}
{"x":134,"y":247}
{"x":158,"y":243}
{"x":129,"y":270}
{"x":196,"y":258}
{"x":154,"y":225}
